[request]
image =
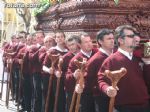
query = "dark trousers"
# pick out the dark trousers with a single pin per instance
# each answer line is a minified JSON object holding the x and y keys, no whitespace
{"x":68,"y":100}
{"x":45,"y":89}
{"x":61,"y":96}
{"x":36,"y":93}
{"x":15,"y":83}
{"x":44,"y":86}
{"x":101,"y":103}
{"x":133,"y":109}
{"x":27,"y":92}
{"x":87,"y":103}
{"x":122,"y":109}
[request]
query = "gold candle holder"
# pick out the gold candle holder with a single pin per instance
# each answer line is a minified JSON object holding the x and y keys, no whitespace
{"x":147,"y":50}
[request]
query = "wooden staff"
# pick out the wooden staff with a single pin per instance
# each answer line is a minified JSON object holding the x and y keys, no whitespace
{"x":20,"y":83}
{"x":58,"y":84}
{"x":80,"y":81}
{"x":114,"y":76}
{"x":72,"y":101}
{"x":54,"y":59}
{"x":2,"y":80}
{"x":9,"y":82}
{"x":9,"y":53}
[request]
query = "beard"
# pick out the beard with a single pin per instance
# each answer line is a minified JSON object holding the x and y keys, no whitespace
{"x":134,"y":47}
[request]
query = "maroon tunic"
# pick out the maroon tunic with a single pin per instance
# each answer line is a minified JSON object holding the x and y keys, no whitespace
{"x":34,"y":59}
{"x":93,"y":66}
{"x":47,"y":60}
{"x":41,"y":55}
{"x":6,"y":46}
{"x":66,"y":59}
{"x":17,"y":55}
{"x":132,"y":88}
{"x":11,"y":47}
{"x":23,"y":54}
{"x":70,"y":80}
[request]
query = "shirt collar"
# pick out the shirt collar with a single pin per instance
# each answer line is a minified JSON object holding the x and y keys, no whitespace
{"x":38,"y":45}
{"x":20,"y":43}
{"x":59,"y":49}
{"x":28,"y":46}
{"x":86,"y":54}
{"x":127,"y":54}
{"x":103,"y":51}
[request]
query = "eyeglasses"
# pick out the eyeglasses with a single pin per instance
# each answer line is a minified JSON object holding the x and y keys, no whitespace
{"x":130,"y":36}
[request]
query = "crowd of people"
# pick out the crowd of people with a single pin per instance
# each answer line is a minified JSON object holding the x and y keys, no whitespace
{"x":35,"y":71}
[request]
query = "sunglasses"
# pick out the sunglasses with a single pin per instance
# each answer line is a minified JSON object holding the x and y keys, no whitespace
{"x":130,"y":36}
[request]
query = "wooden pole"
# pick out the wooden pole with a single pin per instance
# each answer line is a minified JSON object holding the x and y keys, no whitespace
{"x":73,"y":101}
{"x":2,"y":80}
{"x":20,"y":82}
{"x":9,"y":83}
{"x":114,"y":76}
{"x":81,"y":66}
{"x":58,"y":84}
{"x":53,"y":58}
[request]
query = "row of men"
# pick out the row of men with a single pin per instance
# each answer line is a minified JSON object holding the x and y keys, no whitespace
{"x":35,"y":56}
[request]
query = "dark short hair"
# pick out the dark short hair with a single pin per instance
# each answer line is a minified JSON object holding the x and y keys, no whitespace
{"x":102,"y":33}
{"x":73,"y":37}
{"x":119,"y":31}
{"x":60,"y":31}
{"x":83,"y":34}
{"x":40,"y":31}
{"x":19,"y":36}
{"x":23,"y":32}
{"x":13,"y":36}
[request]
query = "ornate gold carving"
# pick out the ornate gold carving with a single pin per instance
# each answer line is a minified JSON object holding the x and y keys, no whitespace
{"x":141,"y":21}
{"x":147,"y":49}
{"x":91,"y":15}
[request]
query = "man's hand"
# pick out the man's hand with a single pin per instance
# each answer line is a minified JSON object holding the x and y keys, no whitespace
{"x":77,"y":73}
{"x":9,"y":61}
{"x":20,"y":61}
{"x":58,"y":74}
{"x":111,"y":91}
{"x":51,"y":70}
{"x":79,"y":89}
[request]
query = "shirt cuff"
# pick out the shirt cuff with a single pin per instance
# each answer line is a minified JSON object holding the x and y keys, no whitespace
{"x":45,"y":69}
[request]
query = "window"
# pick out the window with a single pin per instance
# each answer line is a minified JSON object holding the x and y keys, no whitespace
{"x":9,"y":17}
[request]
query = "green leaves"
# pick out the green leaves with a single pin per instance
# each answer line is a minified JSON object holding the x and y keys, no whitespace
{"x":116,"y":2}
{"x":44,"y":5}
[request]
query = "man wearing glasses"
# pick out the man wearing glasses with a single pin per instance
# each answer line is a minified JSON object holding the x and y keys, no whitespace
{"x":132,"y":95}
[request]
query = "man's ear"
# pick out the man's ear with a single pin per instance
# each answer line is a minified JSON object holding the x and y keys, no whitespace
{"x":100,"y":42}
{"x":120,"y":41}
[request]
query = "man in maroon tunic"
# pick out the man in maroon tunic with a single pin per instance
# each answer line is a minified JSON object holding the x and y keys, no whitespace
{"x":20,"y":39}
{"x":87,"y":51}
{"x":22,"y":59}
{"x":36,"y":71}
{"x":132,"y":95}
{"x":49,"y":42}
{"x":72,"y":44}
{"x":10,"y":48}
{"x":61,"y":49}
{"x":105,"y":39}
{"x":15,"y":77}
